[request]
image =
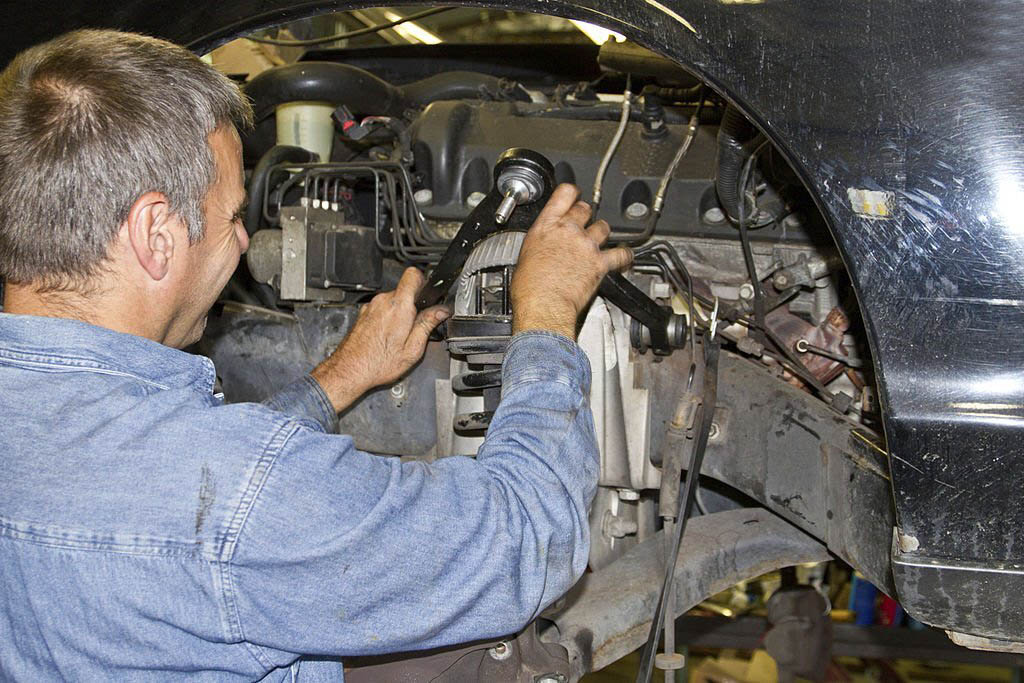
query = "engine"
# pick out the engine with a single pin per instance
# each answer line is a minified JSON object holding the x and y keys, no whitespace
{"x":377,"y":177}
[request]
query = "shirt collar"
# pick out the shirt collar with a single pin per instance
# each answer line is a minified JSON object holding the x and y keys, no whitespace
{"x":69,"y":339}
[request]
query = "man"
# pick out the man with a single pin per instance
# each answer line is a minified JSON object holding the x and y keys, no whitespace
{"x":148,"y":530}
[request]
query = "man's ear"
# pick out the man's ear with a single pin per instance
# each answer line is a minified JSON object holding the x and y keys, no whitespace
{"x":153,"y":231}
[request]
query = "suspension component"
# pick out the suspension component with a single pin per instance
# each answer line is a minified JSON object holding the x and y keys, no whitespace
{"x":526,"y":176}
{"x":653,"y":326}
{"x":521,"y":182}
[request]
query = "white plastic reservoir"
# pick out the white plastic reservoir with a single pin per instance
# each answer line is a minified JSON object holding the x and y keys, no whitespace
{"x":307,"y":125}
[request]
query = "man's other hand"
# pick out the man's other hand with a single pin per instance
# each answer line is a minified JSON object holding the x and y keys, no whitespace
{"x":561,"y":265}
{"x":389,"y":337}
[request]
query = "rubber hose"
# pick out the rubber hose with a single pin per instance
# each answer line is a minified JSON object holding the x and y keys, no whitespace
{"x":260,"y":175}
{"x":365,"y":93}
{"x":462,"y":85}
{"x":733,"y":134}
{"x":673,"y":94}
{"x":357,"y":88}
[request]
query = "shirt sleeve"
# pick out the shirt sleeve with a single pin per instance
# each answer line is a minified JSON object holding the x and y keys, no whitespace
{"x":345,"y":553}
{"x":304,"y":399}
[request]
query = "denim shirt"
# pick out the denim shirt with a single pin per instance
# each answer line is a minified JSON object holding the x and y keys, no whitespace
{"x":149,"y":531}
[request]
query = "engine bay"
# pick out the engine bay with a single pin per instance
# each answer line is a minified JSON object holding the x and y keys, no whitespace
{"x":352,"y":178}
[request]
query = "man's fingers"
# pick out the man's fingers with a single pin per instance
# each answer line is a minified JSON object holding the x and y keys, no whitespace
{"x":561,"y":201}
{"x":426,"y":321}
{"x":598,"y":232}
{"x":578,"y":214}
{"x":409,"y":286}
{"x":618,"y":258}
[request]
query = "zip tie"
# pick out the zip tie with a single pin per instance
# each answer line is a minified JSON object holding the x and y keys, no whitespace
{"x":714,"y":319}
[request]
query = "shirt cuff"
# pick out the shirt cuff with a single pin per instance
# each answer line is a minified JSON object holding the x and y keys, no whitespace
{"x":538,"y":356}
{"x":304,"y":399}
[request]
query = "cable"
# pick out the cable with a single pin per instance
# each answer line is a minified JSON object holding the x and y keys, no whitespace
{"x":701,"y":507}
{"x":748,"y":255}
{"x":691,"y":132}
{"x":674,"y":94}
{"x":602,"y":111}
{"x":803,"y":347}
{"x":612,"y":146}
{"x":660,"y":249}
{"x":796,"y":366}
{"x":666,"y":178}
{"x":349,"y":34}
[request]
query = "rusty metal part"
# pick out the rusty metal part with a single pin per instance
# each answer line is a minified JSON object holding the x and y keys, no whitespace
{"x":802,"y":346}
{"x":791,"y":329}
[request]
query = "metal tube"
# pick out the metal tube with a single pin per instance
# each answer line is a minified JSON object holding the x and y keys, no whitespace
{"x":504,"y":211}
{"x":666,"y":178}
{"x":670,"y":613}
{"x":612,"y":146}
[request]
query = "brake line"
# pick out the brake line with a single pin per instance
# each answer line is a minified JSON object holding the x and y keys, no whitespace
{"x":595,"y":199}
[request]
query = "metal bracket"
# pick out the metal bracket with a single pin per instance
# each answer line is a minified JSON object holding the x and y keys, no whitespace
{"x":294,"y":262}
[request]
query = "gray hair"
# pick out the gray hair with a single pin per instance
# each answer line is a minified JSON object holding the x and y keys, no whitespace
{"x":89,"y":122}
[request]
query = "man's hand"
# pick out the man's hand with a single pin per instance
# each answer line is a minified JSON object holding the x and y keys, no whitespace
{"x":389,"y":337}
{"x":561,"y":265}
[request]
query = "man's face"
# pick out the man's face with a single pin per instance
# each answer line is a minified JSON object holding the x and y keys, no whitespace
{"x":213,"y":259}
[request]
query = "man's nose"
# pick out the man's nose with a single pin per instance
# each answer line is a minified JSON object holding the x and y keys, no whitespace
{"x":243,"y":239}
